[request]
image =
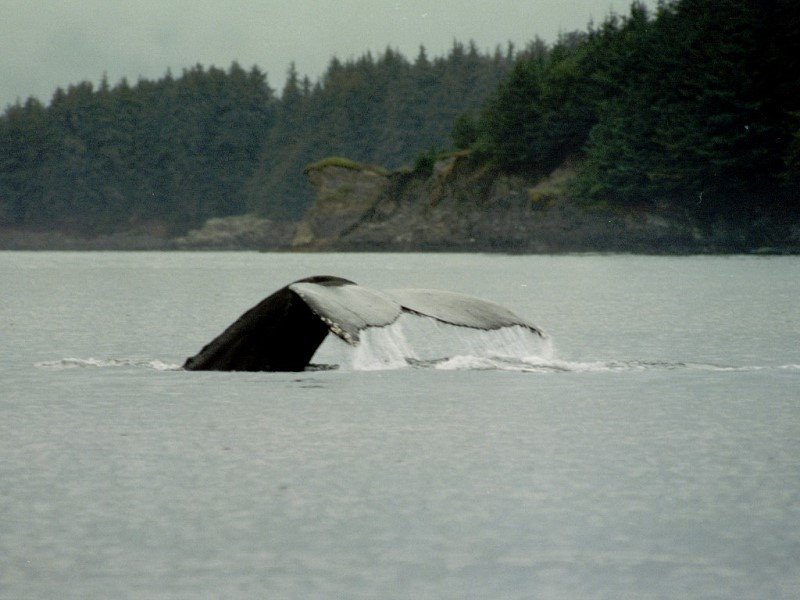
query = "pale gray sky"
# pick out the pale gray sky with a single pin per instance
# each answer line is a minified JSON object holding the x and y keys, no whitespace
{"x":50,"y":43}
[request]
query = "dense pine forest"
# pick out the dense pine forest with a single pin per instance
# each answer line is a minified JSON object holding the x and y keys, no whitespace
{"x":697,"y":106}
{"x":211,"y":142}
{"x":694,"y":106}
{"x":381,"y":111}
{"x":175,"y":151}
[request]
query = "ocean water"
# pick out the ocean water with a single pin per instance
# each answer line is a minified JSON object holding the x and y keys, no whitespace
{"x":648,"y":448}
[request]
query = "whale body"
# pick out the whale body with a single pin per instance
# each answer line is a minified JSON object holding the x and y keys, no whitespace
{"x":283,"y":331}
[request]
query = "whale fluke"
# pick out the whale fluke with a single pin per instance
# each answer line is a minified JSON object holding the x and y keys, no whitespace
{"x":282,"y":332}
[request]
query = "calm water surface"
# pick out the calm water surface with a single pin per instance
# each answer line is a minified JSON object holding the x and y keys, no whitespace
{"x":653,"y":451}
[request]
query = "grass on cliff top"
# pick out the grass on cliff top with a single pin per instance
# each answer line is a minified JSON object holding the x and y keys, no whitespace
{"x":345,"y":163}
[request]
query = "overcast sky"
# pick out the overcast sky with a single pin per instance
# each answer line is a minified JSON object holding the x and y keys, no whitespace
{"x":50,"y":43}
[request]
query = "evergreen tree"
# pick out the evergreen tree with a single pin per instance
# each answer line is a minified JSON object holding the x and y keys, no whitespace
{"x":98,"y":160}
{"x":371,"y":110}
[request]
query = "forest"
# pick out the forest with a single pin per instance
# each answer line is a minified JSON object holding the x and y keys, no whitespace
{"x":215,"y":142}
{"x":694,"y":105}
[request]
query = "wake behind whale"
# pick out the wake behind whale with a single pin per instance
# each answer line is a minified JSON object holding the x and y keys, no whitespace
{"x":376,"y":330}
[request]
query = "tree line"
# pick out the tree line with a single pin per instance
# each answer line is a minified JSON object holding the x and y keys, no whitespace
{"x":175,"y":150}
{"x":212,"y":142}
{"x":693,"y":106}
{"x":380,"y":110}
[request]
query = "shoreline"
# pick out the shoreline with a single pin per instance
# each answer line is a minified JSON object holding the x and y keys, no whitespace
{"x":140,"y":244}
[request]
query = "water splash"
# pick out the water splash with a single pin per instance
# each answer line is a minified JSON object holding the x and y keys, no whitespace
{"x":398,"y":356}
{"x":416,"y":341}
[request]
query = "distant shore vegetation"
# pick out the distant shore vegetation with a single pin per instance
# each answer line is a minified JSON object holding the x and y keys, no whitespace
{"x":694,"y":105}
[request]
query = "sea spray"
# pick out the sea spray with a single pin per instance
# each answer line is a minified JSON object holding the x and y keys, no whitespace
{"x":422,"y":341}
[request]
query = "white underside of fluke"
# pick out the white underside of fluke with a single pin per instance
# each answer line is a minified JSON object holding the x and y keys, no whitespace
{"x":347,"y":310}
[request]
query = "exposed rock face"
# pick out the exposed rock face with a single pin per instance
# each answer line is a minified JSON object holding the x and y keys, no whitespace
{"x":344,"y":196}
{"x":460,"y":208}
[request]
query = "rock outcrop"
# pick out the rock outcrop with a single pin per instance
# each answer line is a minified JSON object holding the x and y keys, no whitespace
{"x":460,"y":207}
{"x":346,"y":193}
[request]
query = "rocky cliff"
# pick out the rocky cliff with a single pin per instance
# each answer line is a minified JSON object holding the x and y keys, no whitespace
{"x":456,"y":207}
{"x":461,"y":207}
{"x":346,"y":193}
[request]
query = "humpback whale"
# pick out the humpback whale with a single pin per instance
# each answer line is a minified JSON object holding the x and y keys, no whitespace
{"x":283,"y":331}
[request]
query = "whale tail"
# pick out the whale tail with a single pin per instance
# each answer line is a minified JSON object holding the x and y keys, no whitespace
{"x":283,"y":331}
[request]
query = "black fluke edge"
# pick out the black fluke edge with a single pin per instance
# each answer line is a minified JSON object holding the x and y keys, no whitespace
{"x":280,"y":333}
